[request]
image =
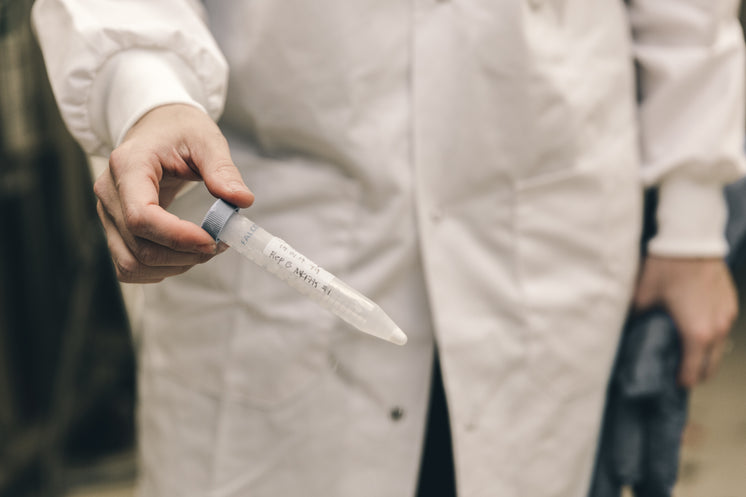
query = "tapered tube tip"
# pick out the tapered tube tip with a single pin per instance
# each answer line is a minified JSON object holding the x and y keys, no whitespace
{"x":398,"y":337}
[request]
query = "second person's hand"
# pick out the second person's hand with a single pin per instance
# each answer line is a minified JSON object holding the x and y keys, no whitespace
{"x":168,"y":147}
{"x":701,"y":298}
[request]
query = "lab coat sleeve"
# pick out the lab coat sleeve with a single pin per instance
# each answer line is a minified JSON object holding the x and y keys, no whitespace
{"x":690,"y":55}
{"x":111,"y":61}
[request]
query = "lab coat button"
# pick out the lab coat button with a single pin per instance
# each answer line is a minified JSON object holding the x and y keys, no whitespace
{"x":396,"y":413}
{"x":436,"y":215}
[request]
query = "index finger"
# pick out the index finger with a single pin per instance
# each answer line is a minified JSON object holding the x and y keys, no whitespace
{"x":145,"y":218}
{"x":692,"y":364}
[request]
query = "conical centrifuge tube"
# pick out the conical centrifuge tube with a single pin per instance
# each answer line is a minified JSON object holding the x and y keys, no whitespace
{"x":224,"y":224}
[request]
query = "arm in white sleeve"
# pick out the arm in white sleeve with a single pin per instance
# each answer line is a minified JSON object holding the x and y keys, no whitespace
{"x":691,"y":67}
{"x":111,"y":61}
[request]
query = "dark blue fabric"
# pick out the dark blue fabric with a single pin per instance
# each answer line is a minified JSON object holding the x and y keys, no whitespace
{"x":646,"y":410}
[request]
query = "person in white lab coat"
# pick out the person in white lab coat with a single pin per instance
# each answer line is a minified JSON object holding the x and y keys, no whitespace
{"x":474,"y":166}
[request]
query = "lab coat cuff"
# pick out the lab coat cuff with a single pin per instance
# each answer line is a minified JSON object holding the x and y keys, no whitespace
{"x":691,"y":219}
{"x":135,"y":81}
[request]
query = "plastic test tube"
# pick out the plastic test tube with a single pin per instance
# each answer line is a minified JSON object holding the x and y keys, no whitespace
{"x":224,"y":224}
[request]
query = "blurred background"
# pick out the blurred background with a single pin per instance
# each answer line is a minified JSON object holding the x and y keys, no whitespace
{"x":67,"y":386}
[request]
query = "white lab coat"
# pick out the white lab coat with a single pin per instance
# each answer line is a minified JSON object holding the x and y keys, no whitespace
{"x":471,"y":165}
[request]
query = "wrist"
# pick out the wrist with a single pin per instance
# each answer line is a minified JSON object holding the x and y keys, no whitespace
{"x":134,"y":82}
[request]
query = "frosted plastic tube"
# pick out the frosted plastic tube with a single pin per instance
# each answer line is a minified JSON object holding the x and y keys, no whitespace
{"x":276,"y":256}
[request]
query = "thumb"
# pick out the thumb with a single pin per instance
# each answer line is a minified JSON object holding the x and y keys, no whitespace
{"x":212,"y":158}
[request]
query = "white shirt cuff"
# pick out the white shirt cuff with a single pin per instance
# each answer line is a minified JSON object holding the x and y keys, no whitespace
{"x":691,"y":220}
{"x":133,"y":82}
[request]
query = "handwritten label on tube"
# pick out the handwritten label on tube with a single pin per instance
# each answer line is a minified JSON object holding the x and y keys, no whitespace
{"x":300,"y":268}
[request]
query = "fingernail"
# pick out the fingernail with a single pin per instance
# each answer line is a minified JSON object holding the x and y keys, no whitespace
{"x":236,"y":186}
{"x":210,"y":249}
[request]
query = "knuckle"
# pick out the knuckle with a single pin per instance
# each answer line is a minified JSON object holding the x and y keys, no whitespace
{"x":135,"y":220}
{"x":703,"y":335}
{"x":103,"y":188}
{"x":99,"y":189}
{"x":146,"y":254}
{"x":700,"y":335}
{"x":124,"y":278}
{"x":723,"y":326}
{"x":127,"y":268}
{"x":118,"y":158}
{"x":224,"y":168}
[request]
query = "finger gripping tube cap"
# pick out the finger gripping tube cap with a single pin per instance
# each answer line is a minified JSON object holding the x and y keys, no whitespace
{"x":219,"y":214}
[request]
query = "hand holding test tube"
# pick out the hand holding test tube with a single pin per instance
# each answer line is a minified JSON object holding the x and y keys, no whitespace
{"x":224,"y":224}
